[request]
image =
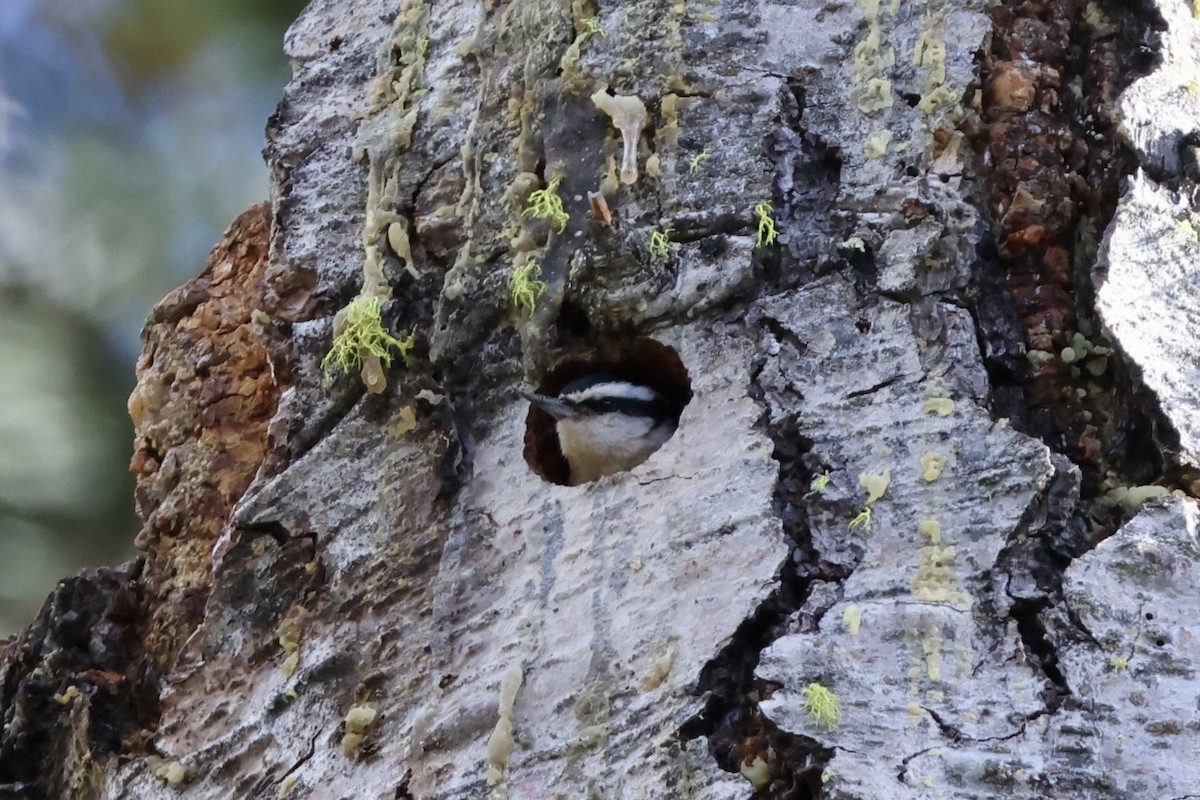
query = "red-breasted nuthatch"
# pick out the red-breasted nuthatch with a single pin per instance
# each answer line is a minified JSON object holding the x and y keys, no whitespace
{"x":606,"y":424}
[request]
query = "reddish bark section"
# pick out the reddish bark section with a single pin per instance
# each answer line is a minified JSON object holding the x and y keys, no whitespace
{"x":1054,"y":162}
{"x":205,"y":393}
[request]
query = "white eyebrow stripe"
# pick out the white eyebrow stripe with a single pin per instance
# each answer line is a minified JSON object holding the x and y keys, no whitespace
{"x":620,"y":389}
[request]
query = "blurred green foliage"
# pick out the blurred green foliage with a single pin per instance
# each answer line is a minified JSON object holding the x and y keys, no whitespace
{"x":148,"y":37}
{"x":130,"y":136}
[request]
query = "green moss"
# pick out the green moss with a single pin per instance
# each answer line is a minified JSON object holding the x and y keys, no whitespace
{"x":546,"y":204}
{"x":767,"y":233}
{"x":822,"y":705}
{"x":359,"y":334}
{"x":524,"y":286}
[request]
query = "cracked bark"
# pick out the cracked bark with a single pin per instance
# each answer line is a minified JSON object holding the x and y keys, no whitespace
{"x":984,"y":223}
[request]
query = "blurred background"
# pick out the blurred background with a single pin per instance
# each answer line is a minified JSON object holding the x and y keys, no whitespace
{"x":130,"y":135}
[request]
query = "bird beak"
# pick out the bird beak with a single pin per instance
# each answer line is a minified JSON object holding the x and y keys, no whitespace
{"x":551,"y":405}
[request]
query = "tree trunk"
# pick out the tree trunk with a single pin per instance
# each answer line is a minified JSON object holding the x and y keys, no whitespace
{"x":894,"y":549}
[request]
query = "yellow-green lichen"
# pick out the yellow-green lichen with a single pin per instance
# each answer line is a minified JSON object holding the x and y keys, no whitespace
{"x":65,"y":697}
{"x":546,"y":204}
{"x":660,"y":669}
{"x":1095,"y":18}
{"x":354,"y":728}
{"x":654,"y":166}
{"x":934,"y":580}
{"x":862,"y":519}
{"x":871,"y":90}
{"x":822,"y":705}
{"x":940,"y":406}
{"x":175,"y":773}
{"x":852,"y":618}
{"x":287,"y":786}
{"x":757,"y":771}
{"x":820,"y":483}
{"x":941,"y":97}
{"x":400,"y":243}
{"x":932,"y":465}
{"x":669,"y":129}
{"x":525,"y":286}
{"x":1186,"y":229}
{"x":402,"y":422}
{"x":931,"y":648}
{"x":1134,"y":496}
{"x":877,"y":146}
{"x":359,"y":337}
{"x":290,"y":633}
{"x":698,"y":161}
{"x":767,"y":233}
{"x":661,"y":244}
{"x":592,"y":25}
{"x":929,"y":54}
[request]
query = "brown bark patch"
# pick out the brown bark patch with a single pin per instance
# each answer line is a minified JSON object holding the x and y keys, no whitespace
{"x":205,"y":393}
{"x":1054,"y":167}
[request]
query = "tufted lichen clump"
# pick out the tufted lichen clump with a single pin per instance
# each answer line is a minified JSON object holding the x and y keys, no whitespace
{"x":525,"y":286}
{"x":360,"y":338}
{"x":661,"y":244}
{"x":822,"y":705}
{"x":546,"y":204}
{"x":767,"y":233}
{"x":592,"y":25}
{"x":862,"y":519}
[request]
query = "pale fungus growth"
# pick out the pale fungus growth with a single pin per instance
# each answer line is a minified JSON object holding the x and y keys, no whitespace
{"x":941,"y":406}
{"x":660,"y":669}
{"x":875,"y":485}
{"x":358,"y":719}
{"x":852,"y":618}
{"x":628,"y":115}
{"x":758,"y":772}
{"x":500,"y":743}
{"x":174,"y":773}
{"x":932,"y":465}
